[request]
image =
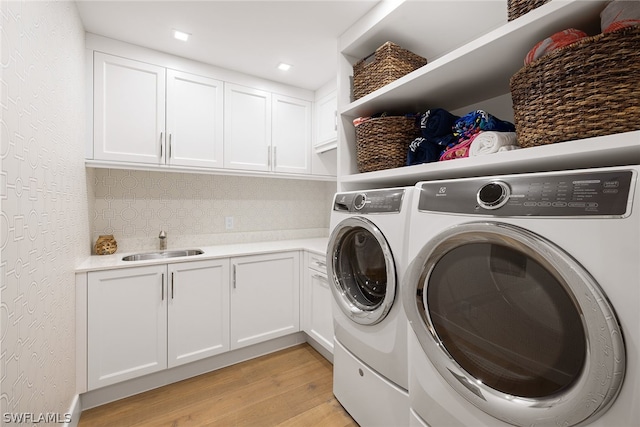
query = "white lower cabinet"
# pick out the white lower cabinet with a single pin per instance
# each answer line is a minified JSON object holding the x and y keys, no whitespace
{"x":318,"y":318}
{"x":198,"y":297}
{"x":265,"y":296}
{"x":144,"y":319}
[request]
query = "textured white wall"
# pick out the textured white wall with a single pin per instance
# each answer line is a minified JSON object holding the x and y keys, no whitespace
{"x":44,"y":226}
{"x":135,"y":205}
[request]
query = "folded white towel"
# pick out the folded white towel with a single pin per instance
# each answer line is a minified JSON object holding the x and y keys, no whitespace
{"x":491,"y":142}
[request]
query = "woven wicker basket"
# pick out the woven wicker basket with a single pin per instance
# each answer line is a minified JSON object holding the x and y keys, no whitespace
{"x":587,"y":89}
{"x":517,"y":8}
{"x":382,"y":143}
{"x":390,"y":62}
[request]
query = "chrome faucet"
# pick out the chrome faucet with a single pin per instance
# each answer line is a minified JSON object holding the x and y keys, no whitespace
{"x":163,"y":240}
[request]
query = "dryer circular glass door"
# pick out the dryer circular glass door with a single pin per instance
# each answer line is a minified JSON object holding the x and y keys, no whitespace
{"x":362,"y":270}
{"x":515,"y":325}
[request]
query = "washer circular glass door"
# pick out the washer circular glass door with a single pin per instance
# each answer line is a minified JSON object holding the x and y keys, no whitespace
{"x":362,"y":271}
{"x":515,"y":325}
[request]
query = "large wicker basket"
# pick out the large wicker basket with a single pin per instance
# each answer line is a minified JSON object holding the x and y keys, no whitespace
{"x":517,"y":8}
{"x":587,"y":89}
{"x":389,"y":63}
{"x":382,"y":143}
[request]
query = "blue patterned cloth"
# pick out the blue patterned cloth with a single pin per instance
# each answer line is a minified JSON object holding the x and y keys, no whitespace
{"x":477,"y":121}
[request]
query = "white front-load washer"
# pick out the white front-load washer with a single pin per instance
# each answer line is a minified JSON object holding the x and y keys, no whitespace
{"x":523,"y":298}
{"x":366,"y":260}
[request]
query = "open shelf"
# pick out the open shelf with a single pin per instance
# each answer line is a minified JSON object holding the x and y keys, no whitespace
{"x":480,"y":69}
{"x":610,"y":150}
{"x":475,"y":70}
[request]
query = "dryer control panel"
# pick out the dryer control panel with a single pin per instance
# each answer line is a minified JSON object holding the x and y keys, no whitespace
{"x":370,"y":202}
{"x":588,"y":193}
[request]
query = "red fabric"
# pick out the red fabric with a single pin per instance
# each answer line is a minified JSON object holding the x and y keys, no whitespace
{"x":556,"y":41}
{"x":459,"y":150}
{"x":621,"y":24}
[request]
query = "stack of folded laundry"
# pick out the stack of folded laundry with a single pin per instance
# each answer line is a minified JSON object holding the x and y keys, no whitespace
{"x":446,"y":136}
{"x":470,"y":131}
{"x":436,"y":127}
{"x":617,"y":14}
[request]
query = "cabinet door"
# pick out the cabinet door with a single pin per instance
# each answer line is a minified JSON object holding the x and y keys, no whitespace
{"x":247,"y":128}
{"x":198,"y":295}
{"x":327,"y":120}
{"x":129,"y":110}
{"x":264,"y":297}
{"x":194,"y":120}
{"x":291,"y":138}
{"x":127,"y":324}
{"x":319,"y":315}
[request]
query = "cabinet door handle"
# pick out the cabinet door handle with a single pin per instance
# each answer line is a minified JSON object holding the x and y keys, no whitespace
{"x":162,"y":286}
{"x":275,"y":157}
{"x":161,"y":144}
{"x":269,"y":157}
{"x":322,"y":278}
{"x":234,"y":276}
{"x":172,"y":292}
{"x":320,"y":264}
{"x":335,"y":125}
{"x":170,"y":140}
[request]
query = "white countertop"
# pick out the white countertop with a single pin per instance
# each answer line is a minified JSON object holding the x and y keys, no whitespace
{"x":108,"y":262}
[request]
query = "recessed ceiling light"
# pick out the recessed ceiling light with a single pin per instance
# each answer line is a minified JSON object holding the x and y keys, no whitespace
{"x":284,"y":67}
{"x":181,"y":35}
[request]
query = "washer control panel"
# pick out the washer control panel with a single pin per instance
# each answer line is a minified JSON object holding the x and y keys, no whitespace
{"x":370,"y":202}
{"x":586,"y":193}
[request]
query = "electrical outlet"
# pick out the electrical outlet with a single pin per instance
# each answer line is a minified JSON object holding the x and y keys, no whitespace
{"x":228,"y":222}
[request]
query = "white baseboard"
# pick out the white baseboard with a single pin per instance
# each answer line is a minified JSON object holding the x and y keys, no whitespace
{"x":320,"y":348}
{"x":75,"y":410}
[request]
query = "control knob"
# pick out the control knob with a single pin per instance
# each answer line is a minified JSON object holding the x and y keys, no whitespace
{"x":493,"y":195}
{"x":360,"y":201}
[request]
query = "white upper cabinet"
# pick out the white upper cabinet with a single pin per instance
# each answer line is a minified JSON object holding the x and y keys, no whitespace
{"x":327,"y":122}
{"x":266,"y":132}
{"x":155,"y":111}
{"x":130,"y":124}
{"x":194,"y":120}
{"x":291,"y":134}
{"x":247,"y":128}
{"x":129,"y":106}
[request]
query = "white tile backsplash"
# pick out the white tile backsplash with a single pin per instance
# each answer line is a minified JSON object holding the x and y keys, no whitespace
{"x":191,"y":208}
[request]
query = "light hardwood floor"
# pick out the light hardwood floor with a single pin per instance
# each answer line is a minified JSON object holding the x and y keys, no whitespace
{"x":292,"y":387}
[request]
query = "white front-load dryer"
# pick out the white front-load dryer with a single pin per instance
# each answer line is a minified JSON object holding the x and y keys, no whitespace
{"x":366,"y":260}
{"x":523,"y":297}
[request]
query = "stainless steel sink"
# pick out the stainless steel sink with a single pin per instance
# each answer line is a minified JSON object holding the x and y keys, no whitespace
{"x":162,"y":254}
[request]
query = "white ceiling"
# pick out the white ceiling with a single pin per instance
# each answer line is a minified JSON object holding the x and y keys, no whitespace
{"x":252,"y":37}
